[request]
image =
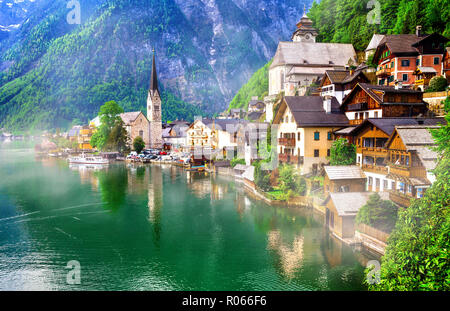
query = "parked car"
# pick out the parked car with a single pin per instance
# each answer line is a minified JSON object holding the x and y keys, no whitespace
{"x":163,"y":153}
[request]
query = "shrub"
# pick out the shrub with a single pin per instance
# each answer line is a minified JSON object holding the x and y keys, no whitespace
{"x":381,"y":214}
{"x":437,"y":84}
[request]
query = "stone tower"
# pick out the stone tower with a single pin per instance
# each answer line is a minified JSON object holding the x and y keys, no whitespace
{"x":305,"y":31}
{"x":154,"y":110}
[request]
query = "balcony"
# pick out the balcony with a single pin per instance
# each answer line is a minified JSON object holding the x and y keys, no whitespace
{"x":375,"y":169}
{"x":399,"y":198}
{"x":289,"y":159}
{"x":385,"y":72}
{"x":357,"y":106}
{"x":374,"y":151}
{"x":289,"y":142}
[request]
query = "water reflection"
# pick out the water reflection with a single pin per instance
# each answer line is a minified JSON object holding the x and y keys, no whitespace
{"x":290,"y":254}
{"x":155,"y":201}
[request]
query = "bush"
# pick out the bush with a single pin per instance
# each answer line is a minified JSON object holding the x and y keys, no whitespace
{"x":138,"y":144}
{"x":380,"y":214}
{"x":237,"y":161}
{"x":342,"y":153}
{"x":437,"y":84}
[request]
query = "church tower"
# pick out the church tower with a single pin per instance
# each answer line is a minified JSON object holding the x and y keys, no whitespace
{"x":305,"y":31}
{"x":154,"y":109}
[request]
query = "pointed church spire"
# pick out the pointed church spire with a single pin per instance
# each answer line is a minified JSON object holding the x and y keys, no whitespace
{"x":154,"y":78}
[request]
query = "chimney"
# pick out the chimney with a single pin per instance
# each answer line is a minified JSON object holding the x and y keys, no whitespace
{"x":418,"y":30}
{"x":327,"y":104}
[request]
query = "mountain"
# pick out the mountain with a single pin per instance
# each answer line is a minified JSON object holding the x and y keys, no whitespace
{"x":53,"y":73}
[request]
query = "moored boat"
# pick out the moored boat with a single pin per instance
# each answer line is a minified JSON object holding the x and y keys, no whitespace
{"x":83,"y":159}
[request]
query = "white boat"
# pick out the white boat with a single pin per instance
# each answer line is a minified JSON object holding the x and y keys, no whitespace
{"x":83,"y":159}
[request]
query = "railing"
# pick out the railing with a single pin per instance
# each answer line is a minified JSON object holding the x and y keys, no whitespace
{"x":357,"y":106}
{"x":375,"y":151}
{"x":373,"y":232}
{"x":290,"y":142}
{"x":375,"y":169}
{"x":384,"y":72}
{"x":400,"y":170}
{"x":399,"y":198}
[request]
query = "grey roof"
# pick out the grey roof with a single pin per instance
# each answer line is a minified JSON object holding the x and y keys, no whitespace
{"x":349,"y":203}
{"x":427,"y":69}
{"x":228,"y":125}
{"x":129,"y":117}
{"x":387,"y":125}
{"x":308,"y":111}
{"x":344,"y":172}
{"x":419,"y":139}
{"x":374,"y":42}
{"x":166,"y":132}
{"x":311,"y":53}
{"x":254,"y":116}
{"x":345,"y":130}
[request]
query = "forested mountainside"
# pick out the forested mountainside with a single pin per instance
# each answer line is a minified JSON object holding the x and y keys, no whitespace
{"x":53,"y":74}
{"x":345,"y":21}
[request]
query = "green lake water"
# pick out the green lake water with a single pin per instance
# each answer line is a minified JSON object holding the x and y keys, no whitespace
{"x":149,"y":227}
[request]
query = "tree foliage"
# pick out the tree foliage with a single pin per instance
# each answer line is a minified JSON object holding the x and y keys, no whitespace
{"x":138,"y":144}
{"x":342,"y":153}
{"x":417,"y":255}
{"x":378,"y":213}
{"x":437,"y":84}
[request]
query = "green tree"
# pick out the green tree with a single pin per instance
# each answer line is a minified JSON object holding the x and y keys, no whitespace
{"x":437,"y":84}
{"x":118,"y":138}
{"x":138,"y":144}
{"x":378,"y":213}
{"x":262,"y":177}
{"x":342,"y":153}
{"x":417,"y":255}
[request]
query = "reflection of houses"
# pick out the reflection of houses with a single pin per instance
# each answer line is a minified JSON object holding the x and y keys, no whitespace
{"x":305,"y":130}
{"x":372,"y":101}
{"x":410,"y":162}
{"x":346,"y":178}
{"x":291,"y":256}
{"x":297,"y":64}
{"x":155,"y":197}
{"x":341,"y":210}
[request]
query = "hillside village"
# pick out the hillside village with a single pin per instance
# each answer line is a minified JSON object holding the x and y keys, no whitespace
{"x":318,"y":94}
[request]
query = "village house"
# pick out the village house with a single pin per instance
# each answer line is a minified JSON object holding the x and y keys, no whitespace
{"x":256,"y":109}
{"x":84,"y":137}
{"x":298,"y":63}
{"x":345,"y":178}
{"x":412,"y":59}
{"x":249,"y":137}
{"x":218,"y":135}
{"x":341,"y":211}
{"x":411,"y":161}
{"x":446,"y":64}
{"x":174,"y":135}
{"x":370,"y":139}
{"x":375,"y":101}
{"x":372,"y":46}
{"x":339,"y":83}
{"x":305,"y":130}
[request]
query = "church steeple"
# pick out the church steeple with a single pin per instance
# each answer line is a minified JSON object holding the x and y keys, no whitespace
{"x":154,"y":78}
{"x":305,"y":31}
{"x":154,"y":109}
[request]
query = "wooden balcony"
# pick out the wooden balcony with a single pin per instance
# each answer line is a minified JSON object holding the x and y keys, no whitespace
{"x":289,"y":142}
{"x":399,"y":198}
{"x":385,"y":72}
{"x":375,"y":169}
{"x":288,"y":159}
{"x":358,"y":106}
{"x":374,"y":151}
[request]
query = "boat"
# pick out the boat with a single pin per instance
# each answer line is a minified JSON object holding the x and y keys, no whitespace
{"x":83,"y":159}
{"x":200,"y":168}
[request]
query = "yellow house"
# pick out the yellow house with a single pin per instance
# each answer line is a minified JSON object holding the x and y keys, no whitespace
{"x":84,"y":137}
{"x":305,"y":126}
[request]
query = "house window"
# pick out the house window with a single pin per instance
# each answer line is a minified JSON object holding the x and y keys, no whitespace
{"x":385,"y":184}
{"x":418,"y":62}
{"x":298,"y":136}
{"x":377,"y":182}
{"x":405,"y":77}
{"x":316,"y":153}
{"x":392,"y":64}
{"x":436,"y":61}
{"x":393,"y":185}
{"x":328,"y":152}
{"x":141,"y":133}
{"x":376,"y":114}
{"x":370,"y":181}
{"x":405,"y":63}
{"x":317,"y":136}
{"x":330,"y":136}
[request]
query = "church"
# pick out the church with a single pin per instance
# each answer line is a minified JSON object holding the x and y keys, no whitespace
{"x":300,"y":62}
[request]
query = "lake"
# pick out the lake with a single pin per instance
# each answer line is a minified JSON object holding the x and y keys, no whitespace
{"x":151,"y":227}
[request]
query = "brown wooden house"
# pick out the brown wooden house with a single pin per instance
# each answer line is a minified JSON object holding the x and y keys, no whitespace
{"x":374,"y":101}
{"x":411,"y":161}
{"x":339,"y":83}
{"x":347,"y":178}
